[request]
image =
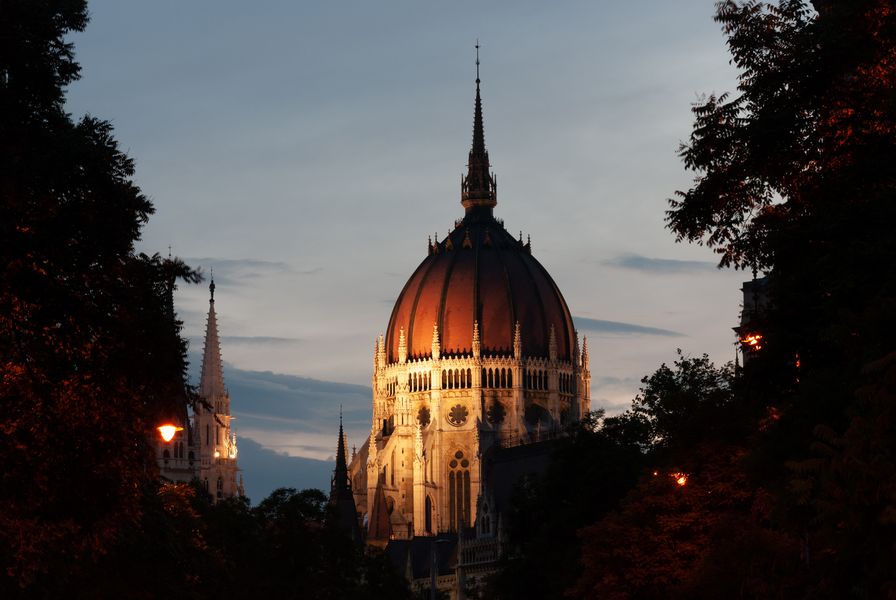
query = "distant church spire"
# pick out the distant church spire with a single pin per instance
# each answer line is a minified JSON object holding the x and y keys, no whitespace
{"x":211,"y":382}
{"x":478,"y":188}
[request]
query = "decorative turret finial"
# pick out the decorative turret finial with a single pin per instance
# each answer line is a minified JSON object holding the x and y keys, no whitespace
{"x":436,"y":343}
{"x":478,"y":188}
{"x":381,"y":352}
{"x":585,"y":352}
{"x":402,"y":346}
{"x":517,"y":341}
{"x":211,"y":287}
{"x":477,"y":348}
{"x":418,"y":442}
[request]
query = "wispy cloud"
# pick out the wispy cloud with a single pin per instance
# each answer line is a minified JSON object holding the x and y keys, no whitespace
{"x":636,"y":262}
{"x":230,"y":271}
{"x":618,"y":328}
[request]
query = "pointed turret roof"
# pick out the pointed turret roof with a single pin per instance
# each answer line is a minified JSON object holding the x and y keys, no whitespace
{"x":478,"y":188}
{"x":341,"y":498}
{"x":211,"y":382}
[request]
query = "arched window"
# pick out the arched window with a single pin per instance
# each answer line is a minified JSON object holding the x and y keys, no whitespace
{"x":469,"y":378}
{"x":444,"y":380}
{"x":456,"y":379}
{"x":509,"y":378}
{"x":491,"y":378}
{"x":459,"y":514}
{"x":428,"y":515}
{"x":220,"y":491}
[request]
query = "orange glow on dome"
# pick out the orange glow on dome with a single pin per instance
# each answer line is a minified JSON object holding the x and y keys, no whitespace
{"x":168,"y":430}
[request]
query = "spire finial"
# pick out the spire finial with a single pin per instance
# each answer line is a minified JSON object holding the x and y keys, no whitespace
{"x":211,"y":287}
{"x":478,"y":187}
{"x":477,"y":62}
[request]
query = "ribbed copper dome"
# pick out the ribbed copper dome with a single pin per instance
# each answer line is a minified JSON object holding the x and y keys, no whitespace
{"x":480,"y":272}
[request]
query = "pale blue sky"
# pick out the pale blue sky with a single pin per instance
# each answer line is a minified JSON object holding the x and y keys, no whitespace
{"x":307,"y":150}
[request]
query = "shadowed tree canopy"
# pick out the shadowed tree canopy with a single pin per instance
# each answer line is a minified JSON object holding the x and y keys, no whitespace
{"x":90,"y":350}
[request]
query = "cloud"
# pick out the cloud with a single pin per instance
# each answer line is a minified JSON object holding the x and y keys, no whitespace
{"x":618,"y":328}
{"x":666,"y":266}
{"x":234,"y":271}
{"x":255,"y":339}
{"x":265,"y":470}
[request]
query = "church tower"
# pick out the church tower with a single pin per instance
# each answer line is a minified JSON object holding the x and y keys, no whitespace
{"x":213,"y":437}
{"x":480,"y":354}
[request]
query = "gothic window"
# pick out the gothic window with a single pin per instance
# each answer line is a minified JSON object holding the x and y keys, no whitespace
{"x":423,"y":416}
{"x":469,"y":378}
{"x":166,"y":455}
{"x":428,"y":515}
{"x":220,"y":491}
{"x":495,"y":413}
{"x":458,"y":491}
{"x":457,"y":416}
{"x":392,"y":471}
{"x":509,"y":378}
{"x":456,"y":379}
{"x":207,"y":435}
{"x":491,"y":379}
{"x":444,"y":380}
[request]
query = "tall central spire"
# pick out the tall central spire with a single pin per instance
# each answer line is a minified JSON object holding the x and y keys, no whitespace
{"x":478,"y":188}
{"x":211,"y":381}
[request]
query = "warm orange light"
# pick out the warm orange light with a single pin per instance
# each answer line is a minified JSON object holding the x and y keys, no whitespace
{"x":680,"y":478}
{"x":168,"y":430}
{"x":752,"y":340}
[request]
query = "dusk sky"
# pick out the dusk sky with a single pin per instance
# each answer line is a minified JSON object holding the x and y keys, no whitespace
{"x":305,"y":151}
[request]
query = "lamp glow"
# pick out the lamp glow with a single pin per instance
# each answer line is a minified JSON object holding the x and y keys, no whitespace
{"x":168,"y":430}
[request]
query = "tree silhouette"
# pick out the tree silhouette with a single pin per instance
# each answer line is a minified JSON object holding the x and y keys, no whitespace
{"x":90,"y":347}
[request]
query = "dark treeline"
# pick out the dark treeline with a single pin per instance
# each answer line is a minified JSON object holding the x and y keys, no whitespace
{"x":790,"y":462}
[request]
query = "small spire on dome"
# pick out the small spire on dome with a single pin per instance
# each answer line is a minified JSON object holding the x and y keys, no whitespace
{"x":517,"y":341}
{"x":436,"y":342}
{"x":477,"y":347}
{"x":402,"y":346}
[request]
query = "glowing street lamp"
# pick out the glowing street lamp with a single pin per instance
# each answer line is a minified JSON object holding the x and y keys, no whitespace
{"x":680,"y":478}
{"x":168,"y":430}
{"x":752,"y":341}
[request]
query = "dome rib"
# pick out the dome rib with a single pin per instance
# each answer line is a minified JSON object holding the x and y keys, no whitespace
{"x":545,"y":326}
{"x":508,"y":287}
{"x":443,"y":296}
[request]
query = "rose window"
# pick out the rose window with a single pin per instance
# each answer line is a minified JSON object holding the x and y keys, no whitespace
{"x":458,"y":415}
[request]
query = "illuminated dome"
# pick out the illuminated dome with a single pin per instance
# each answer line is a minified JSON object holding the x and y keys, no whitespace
{"x":480,"y":354}
{"x":480,"y":273}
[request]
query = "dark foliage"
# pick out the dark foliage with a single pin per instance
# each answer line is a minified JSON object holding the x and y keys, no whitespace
{"x":791,"y":487}
{"x":90,"y":348}
{"x":283,"y":548}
